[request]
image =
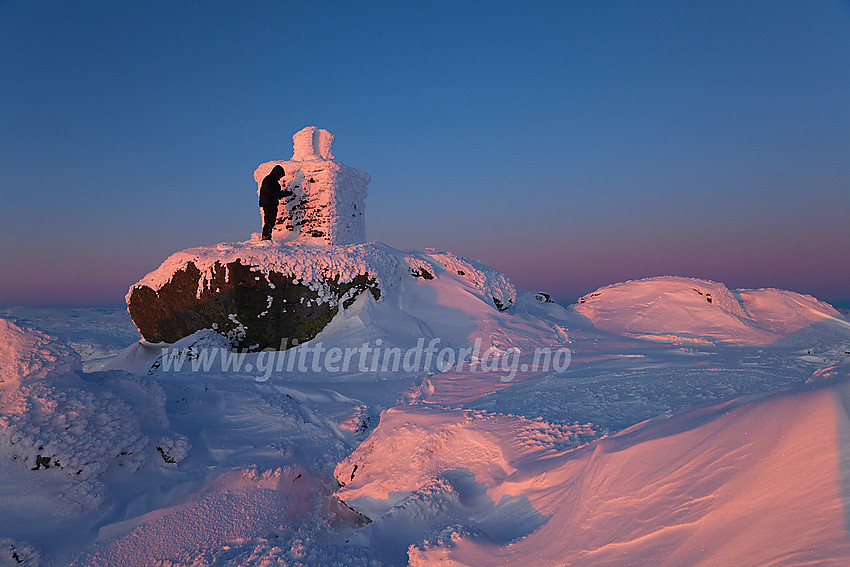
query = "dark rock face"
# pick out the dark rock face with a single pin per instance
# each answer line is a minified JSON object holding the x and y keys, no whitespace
{"x":254,"y":309}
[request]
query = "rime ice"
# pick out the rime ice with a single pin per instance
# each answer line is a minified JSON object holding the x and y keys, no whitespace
{"x":327,"y":204}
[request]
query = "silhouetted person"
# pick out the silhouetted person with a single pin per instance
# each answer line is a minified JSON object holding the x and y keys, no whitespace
{"x":270,"y":194}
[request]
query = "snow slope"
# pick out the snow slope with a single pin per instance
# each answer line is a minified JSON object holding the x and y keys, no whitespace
{"x":754,"y":481}
{"x":704,"y":445}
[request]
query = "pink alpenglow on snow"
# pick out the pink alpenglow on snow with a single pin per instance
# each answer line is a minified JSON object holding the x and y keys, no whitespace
{"x":326,"y":199}
{"x":671,"y":308}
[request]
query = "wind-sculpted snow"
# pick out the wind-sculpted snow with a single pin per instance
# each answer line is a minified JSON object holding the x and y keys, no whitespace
{"x":687,"y":309}
{"x":58,"y":427}
{"x":195,"y":453}
{"x":446,"y":470}
{"x":32,"y":354}
{"x":414,"y":445}
{"x":749,"y":482}
{"x":43,"y":425}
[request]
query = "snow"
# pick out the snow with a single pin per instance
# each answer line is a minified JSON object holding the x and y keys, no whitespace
{"x":675,"y":308}
{"x":96,"y":334}
{"x":748,"y":482}
{"x":329,"y":198}
{"x":32,"y":354}
{"x":681,"y":431}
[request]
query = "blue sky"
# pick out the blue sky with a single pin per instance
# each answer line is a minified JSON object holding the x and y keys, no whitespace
{"x":569,"y":144}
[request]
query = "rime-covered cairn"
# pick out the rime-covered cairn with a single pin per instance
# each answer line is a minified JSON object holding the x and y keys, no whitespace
{"x":327,"y":203}
{"x":261,"y":294}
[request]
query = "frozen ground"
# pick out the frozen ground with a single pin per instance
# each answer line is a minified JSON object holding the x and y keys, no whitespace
{"x":719,"y":438}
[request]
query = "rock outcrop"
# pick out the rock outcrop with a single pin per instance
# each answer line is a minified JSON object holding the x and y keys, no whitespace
{"x":262,"y":295}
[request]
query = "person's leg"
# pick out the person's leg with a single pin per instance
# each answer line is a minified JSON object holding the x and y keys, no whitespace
{"x":269,"y":217}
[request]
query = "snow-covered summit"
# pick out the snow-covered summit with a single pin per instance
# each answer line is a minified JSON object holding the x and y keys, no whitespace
{"x":327,"y":201}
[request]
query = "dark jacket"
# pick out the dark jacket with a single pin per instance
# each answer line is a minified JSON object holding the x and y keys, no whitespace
{"x":270,"y":189}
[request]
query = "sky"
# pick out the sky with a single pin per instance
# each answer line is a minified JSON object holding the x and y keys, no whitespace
{"x":569,"y":144}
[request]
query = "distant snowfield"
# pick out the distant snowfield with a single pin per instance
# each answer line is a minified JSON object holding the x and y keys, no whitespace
{"x":683,"y":432}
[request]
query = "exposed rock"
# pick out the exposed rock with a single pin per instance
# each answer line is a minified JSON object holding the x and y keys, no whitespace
{"x":260,"y":294}
{"x":252,"y":308}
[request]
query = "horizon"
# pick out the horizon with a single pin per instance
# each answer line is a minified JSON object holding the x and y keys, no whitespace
{"x":570,"y":146}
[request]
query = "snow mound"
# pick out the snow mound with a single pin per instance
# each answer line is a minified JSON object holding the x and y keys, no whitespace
{"x":413,"y":445}
{"x":425,"y":470}
{"x":33,"y":354}
{"x":786,"y":312}
{"x":695,"y":310}
{"x":143,"y":357}
{"x":62,"y":430}
{"x":43,"y":426}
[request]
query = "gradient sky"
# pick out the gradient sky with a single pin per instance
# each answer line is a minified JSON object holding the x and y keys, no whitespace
{"x":569,"y":144}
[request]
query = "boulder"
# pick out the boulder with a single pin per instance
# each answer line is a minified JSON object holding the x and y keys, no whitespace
{"x":255,"y":302}
{"x":268,"y":295}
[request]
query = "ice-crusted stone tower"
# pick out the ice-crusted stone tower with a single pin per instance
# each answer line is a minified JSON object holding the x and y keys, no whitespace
{"x":328,"y":199}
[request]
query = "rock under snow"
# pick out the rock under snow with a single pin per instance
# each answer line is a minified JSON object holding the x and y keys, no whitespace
{"x":259,"y":296}
{"x":50,"y":418}
{"x":328,"y":199}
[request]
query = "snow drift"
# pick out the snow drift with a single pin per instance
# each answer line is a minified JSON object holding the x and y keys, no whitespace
{"x":731,"y":484}
{"x":688,"y":309}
